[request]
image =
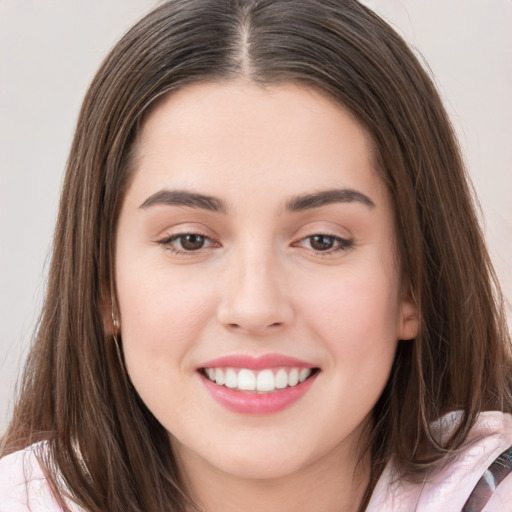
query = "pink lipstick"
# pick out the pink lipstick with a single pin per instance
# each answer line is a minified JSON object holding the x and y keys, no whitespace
{"x":257,"y":385}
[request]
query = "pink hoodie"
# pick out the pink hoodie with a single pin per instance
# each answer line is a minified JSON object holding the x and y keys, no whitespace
{"x":24,"y":488}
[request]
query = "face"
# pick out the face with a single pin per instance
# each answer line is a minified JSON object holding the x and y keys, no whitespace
{"x":259,"y":298}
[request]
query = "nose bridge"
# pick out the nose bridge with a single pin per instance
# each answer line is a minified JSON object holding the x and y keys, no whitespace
{"x":254,"y":298}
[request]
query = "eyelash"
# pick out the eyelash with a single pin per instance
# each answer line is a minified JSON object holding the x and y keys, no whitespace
{"x":167,"y":243}
{"x":343,"y":244}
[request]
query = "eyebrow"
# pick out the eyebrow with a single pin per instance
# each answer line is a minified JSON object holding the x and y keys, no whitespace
{"x":185,"y":198}
{"x":326,"y":197}
{"x":295,"y":204}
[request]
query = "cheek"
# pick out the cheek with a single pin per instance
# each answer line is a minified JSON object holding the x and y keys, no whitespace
{"x":161,"y":315}
{"x":360,"y":299}
{"x":352,"y":316}
{"x":355,"y":315}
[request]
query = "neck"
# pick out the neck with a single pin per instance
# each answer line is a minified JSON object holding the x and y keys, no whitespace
{"x":333,"y":484}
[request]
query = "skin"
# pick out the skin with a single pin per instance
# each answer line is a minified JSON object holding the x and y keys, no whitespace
{"x":260,"y":285}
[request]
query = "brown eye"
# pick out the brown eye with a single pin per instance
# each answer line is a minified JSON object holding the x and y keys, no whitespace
{"x":322,"y":242}
{"x":192,"y":242}
{"x":186,"y":243}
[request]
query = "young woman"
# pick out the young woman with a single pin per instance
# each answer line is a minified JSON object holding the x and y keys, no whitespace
{"x":268,"y":290}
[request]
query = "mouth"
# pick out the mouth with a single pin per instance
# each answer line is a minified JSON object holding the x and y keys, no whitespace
{"x":263,"y":385}
{"x":267,"y":380}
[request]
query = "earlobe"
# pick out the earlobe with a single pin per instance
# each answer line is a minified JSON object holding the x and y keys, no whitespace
{"x":110,"y":318}
{"x":409,"y":320}
{"x":115,"y":324}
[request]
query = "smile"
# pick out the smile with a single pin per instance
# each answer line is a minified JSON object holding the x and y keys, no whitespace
{"x":262,"y":381}
{"x":261,"y":385}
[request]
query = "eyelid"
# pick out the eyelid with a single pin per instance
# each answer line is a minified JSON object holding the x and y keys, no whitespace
{"x":175,"y":233}
{"x":184,"y":228}
{"x":344,"y":244}
{"x":344,"y":239}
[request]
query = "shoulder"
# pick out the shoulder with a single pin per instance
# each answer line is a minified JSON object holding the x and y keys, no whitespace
{"x":23,"y":485}
{"x":450,"y":488}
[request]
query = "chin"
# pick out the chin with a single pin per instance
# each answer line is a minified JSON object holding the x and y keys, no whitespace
{"x":260,"y":468}
{"x":260,"y":462}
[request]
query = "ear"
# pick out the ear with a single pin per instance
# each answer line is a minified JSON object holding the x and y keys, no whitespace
{"x":106,"y":316}
{"x":409,"y":319}
{"x":109,"y":315}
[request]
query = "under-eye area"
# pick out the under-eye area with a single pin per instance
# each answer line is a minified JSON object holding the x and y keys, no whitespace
{"x":260,"y":381}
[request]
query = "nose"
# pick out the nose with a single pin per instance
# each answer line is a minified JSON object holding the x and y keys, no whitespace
{"x":255,"y":296}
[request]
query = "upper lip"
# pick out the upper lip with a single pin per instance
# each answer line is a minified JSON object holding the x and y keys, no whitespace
{"x":256,"y":363}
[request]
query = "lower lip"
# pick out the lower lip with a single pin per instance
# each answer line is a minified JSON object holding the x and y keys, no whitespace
{"x":246,"y":402}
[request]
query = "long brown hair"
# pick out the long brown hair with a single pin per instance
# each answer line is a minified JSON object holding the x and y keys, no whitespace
{"x":107,"y":447}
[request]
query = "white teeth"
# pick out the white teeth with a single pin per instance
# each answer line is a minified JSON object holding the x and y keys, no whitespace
{"x":262,"y":381}
{"x":219,"y":376}
{"x":246,"y":380}
{"x":281,"y":379}
{"x":304,"y":374}
{"x":266,"y":381}
{"x":293,"y":378}
{"x":231,"y":380}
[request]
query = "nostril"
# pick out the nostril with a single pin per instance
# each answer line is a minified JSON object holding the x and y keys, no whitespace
{"x":238,"y":326}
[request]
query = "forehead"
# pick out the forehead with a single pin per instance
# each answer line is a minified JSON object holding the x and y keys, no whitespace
{"x":236,"y":137}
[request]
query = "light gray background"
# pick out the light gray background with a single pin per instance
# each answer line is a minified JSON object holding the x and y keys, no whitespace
{"x":49,"y":51}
